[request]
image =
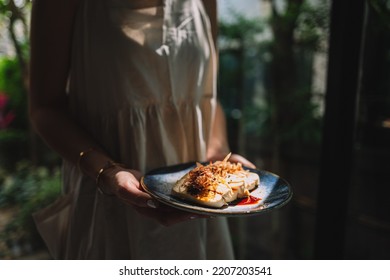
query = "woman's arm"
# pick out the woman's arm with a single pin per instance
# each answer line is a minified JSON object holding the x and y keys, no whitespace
{"x":51,"y":40}
{"x":211,"y":9}
{"x":51,"y":35}
{"x":218,"y":146}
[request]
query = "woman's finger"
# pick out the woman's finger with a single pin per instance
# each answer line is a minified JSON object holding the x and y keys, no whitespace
{"x":132,"y":195}
{"x":240,"y":159}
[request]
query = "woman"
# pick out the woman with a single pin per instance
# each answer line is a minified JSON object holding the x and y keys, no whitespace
{"x":118,"y":88}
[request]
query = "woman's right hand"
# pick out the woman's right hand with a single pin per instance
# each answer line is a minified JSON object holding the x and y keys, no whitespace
{"x":125,"y":184}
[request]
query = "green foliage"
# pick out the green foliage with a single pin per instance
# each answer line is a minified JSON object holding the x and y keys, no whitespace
{"x":13,"y":140}
{"x":12,"y":84}
{"x":26,"y":190}
{"x":3,"y":8}
{"x":241,"y":27}
{"x":306,"y":124}
{"x":312,"y":25}
{"x":382,"y":8}
{"x":266,"y":65}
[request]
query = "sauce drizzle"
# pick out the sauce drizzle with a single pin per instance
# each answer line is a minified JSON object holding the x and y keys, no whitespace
{"x":249,"y":200}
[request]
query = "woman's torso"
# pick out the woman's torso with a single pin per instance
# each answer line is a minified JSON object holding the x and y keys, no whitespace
{"x":143,"y":79}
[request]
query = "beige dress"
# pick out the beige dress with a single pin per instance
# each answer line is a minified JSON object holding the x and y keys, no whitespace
{"x":142,"y":83}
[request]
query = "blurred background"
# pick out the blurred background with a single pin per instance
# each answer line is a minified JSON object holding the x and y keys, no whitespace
{"x":305,"y":87}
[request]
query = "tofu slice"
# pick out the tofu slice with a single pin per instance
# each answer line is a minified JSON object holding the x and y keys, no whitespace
{"x":216,"y":200}
{"x":242,"y":183}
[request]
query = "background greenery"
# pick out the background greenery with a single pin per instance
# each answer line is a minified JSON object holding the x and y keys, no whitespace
{"x":29,"y":171}
{"x":25,"y":190}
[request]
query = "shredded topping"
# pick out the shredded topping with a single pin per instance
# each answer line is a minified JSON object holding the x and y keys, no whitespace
{"x":203,"y":180}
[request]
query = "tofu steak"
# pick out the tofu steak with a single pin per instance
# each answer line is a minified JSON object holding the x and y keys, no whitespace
{"x":216,"y":184}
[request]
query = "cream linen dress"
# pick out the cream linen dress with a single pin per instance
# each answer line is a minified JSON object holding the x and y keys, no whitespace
{"x":142,"y":83}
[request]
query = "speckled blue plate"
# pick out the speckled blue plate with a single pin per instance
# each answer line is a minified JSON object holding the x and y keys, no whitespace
{"x":273,"y":191}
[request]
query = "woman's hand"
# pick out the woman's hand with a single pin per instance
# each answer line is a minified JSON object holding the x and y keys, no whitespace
{"x":125,"y":184}
{"x":233,"y":158}
{"x":240,"y":159}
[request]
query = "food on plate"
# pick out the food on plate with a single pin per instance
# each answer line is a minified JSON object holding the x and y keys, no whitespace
{"x":216,"y":184}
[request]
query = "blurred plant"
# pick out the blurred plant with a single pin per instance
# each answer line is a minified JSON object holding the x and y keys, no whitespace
{"x":242,"y":32}
{"x":382,"y":8}
{"x":274,"y":56}
{"x":6,"y":117}
{"x":299,"y":31}
{"x":14,"y":144}
{"x":25,"y":191}
{"x":13,"y":82}
{"x":15,"y":14}
{"x":11,"y":85}
{"x":14,"y":70}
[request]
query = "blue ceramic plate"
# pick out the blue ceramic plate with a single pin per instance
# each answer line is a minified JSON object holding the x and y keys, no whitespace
{"x":273,"y":191}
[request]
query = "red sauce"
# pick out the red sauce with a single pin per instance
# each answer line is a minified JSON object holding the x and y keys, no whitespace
{"x":249,"y":200}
